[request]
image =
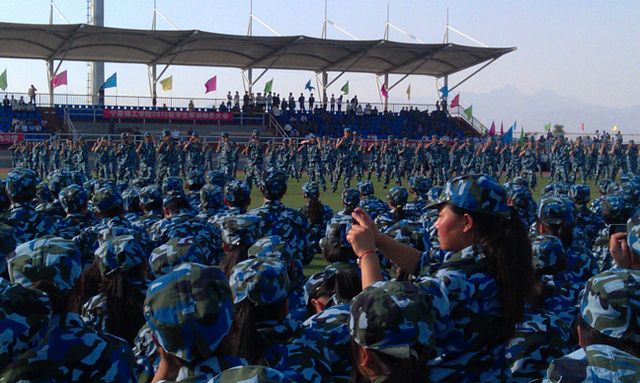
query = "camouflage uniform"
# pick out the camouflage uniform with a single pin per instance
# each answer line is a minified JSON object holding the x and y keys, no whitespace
{"x":312,"y":191}
{"x":70,"y":351}
{"x":72,"y":199}
{"x":147,"y":158}
{"x":167,"y":157}
{"x":316,"y":168}
{"x":254,"y":374}
{"x":149,"y":195}
{"x":225,"y":156}
{"x":344,"y":160}
{"x":391,"y":163}
{"x":255,"y":159}
{"x":373,"y":205}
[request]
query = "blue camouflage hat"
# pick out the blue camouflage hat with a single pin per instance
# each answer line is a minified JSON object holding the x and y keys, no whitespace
{"x":552,"y":210}
{"x":521,"y":181}
{"x":434,"y":193}
{"x":25,"y":315}
{"x":350,"y":198}
{"x":261,"y":280}
{"x":121,"y":253}
{"x":106,"y":198}
{"x":519,"y":197}
{"x":391,"y":317}
{"x":151,"y":194}
{"x":607,"y":186}
{"x":411,"y":233}
{"x":475,"y":193}
{"x":251,"y":374}
{"x":77,"y":177}
{"x":314,"y":282}
{"x":195,"y":178}
{"x":615,"y":208}
{"x":211,"y":196}
{"x":175,"y":252}
{"x":366,"y":188}
{"x":72,"y":198}
{"x":172,"y":183}
{"x":311,"y":190}
{"x":272,"y":246}
{"x":21,"y":181}
{"x":42,"y":192}
{"x":611,"y":304}
{"x":398,"y":196}
{"x":46,"y":258}
{"x":633,"y":234}
{"x":548,"y":254}
{"x":275,"y":181}
{"x":335,"y":234}
{"x":189,"y":310}
{"x":131,"y":199}
{"x":58,"y":180}
{"x":237,"y":192}
{"x":216,"y":177}
{"x":241,"y":229}
{"x":420,"y":184}
{"x":580,"y":194}
{"x":172,"y":196}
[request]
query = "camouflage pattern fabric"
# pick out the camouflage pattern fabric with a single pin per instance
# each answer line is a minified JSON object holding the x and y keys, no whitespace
{"x":28,"y":223}
{"x":243,"y":229}
{"x":7,"y":246}
{"x":120,"y":254}
{"x":261,"y":280}
{"x":475,"y":193}
{"x":253,"y":374}
{"x":175,"y":252}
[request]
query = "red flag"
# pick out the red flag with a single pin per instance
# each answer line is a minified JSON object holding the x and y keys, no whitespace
{"x":582,"y":126}
{"x":211,"y":84}
{"x":59,"y":79}
{"x":384,"y":91}
{"x":492,"y":130}
{"x":456,"y":101}
{"x":501,"y":128}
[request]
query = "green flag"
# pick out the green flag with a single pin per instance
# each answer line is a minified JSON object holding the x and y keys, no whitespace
{"x":345,"y":88}
{"x":268,"y":86}
{"x":469,"y":112}
{"x":3,"y":80}
{"x":547,"y":127}
{"x":521,"y":135}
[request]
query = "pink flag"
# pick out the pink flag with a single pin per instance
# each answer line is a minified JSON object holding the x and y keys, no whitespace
{"x":384,"y":91}
{"x":501,"y":128}
{"x":211,"y":84}
{"x":456,"y":101}
{"x":582,"y":126}
{"x":59,"y":79}
{"x":492,"y":130}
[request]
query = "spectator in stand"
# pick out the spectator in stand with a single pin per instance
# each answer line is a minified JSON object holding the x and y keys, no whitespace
{"x":269,"y":101}
{"x":32,"y":94}
{"x":333,"y":103}
{"x":324,"y":101}
{"x":236,"y":101}
{"x":191,"y":106}
{"x":340,"y":104}
{"x":14,"y":103}
{"x":5,"y":101}
{"x":301,"y":102}
{"x":229,"y":100}
{"x":311,"y":102}
{"x":276,"y":100}
{"x":245,"y":102}
{"x":292,"y":102}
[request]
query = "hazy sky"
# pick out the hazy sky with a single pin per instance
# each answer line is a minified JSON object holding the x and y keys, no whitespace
{"x":586,"y":50}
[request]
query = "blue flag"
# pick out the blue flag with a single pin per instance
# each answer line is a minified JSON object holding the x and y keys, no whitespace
{"x":111,"y":82}
{"x":445,"y":91}
{"x":308,"y":86}
{"x":507,"y":137}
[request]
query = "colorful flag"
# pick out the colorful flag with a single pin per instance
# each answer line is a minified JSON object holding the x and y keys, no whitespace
{"x":345,"y":88}
{"x":507,"y":137}
{"x":384,"y":91}
{"x":167,"y":84}
{"x":521,"y":140}
{"x":59,"y":79}
{"x":469,"y":113}
{"x":582,"y":126}
{"x":501,"y":128}
{"x":409,"y":92}
{"x":211,"y":85}
{"x":268,"y":86}
{"x":456,"y":101}
{"x":492,"y":130}
{"x":3,"y":80}
{"x":547,"y":127}
{"x":308,"y":86}
{"x":444,"y":91}
{"x":111,"y":82}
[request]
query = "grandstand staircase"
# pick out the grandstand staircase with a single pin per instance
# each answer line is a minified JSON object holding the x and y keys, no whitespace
{"x":471,"y":126}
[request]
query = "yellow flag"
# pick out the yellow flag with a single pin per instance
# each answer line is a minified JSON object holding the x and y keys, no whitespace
{"x":167,"y":83}
{"x":409,"y":92}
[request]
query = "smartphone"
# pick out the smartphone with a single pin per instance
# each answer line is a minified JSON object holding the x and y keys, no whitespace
{"x":617,"y":228}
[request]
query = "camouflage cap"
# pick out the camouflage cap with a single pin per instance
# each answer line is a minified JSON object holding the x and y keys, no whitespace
{"x":8,"y":243}
{"x":106,"y":198}
{"x":237,"y":192}
{"x":172,"y":183}
{"x":275,"y":181}
{"x":420,"y":184}
{"x":261,"y":280}
{"x":411,"y":233}
{"x":350,"y":198}
{"x":216,"y":177}
{"x":548,"y":254}
{"x":633,"y":233}
{"x":42,"y":192}
{"x":475,"y":193}
{"x":151,"y":194}
{"x":315,"y":281}
{"x":521,"y":181}
{"x":311,"y":190}
{"x":366,"y":188}
{"x":335,"y":234}
{"x":272,"y":246}
{"x":615,"y":208}
{"x":611,"y":304}
{"x":21,"y":181}
{"x":398,"y":196}
{"x":173,"y":196}
{"x":77,"y":177}
{"x":552,"y":210}
{"x":189,"y":310}
{"x":25,"y":315}
{"x":390,"y":316}
{"x":241,"y":229}
{"x":580,"y":193}
{"x":211,"y":196}
{"x":58,"y":180}
{"x":131,"y":199}
{"x":46,"y":258}
{"x":72,"y":198}
{"x":251,"y":374}
{"x":121,"y":253}
{"x":195,"y":178}
{"x":435,"y":192}
{"x":175,"y":252}
{"x":607,"y":186}
{"x":519,"y":197}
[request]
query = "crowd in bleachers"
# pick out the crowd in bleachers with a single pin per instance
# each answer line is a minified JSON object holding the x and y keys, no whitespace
{"x":17,"y":115}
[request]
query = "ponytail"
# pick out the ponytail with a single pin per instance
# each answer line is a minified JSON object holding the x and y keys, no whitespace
{"x":125,"y":303}
{"x":398,"y":213}
{"x":316,"y":211}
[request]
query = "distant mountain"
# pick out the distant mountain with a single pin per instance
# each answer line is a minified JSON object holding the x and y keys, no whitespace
{"x":509,"y":104}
